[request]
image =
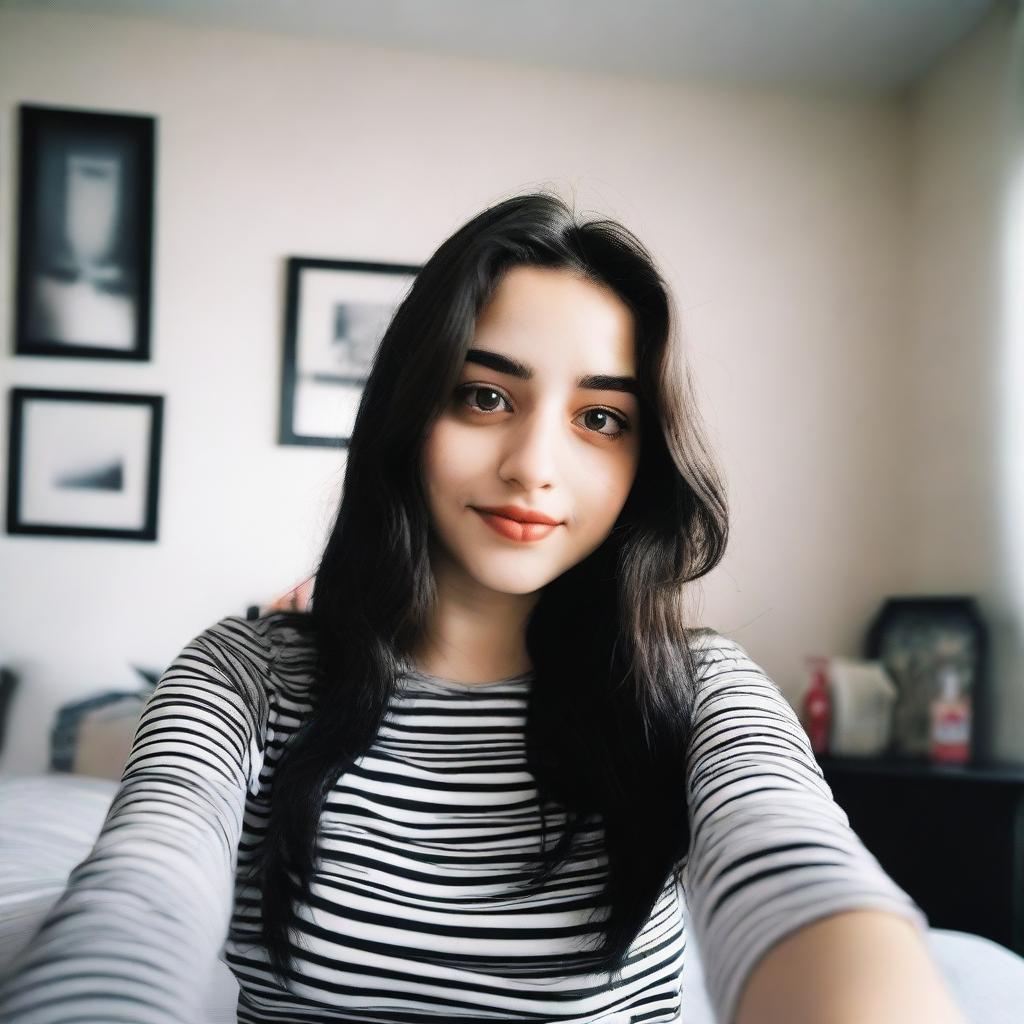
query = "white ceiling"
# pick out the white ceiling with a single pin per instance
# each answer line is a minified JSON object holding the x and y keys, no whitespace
{"x":868,"y":46}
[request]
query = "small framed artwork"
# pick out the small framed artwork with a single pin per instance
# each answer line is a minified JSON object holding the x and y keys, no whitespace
{"x":85,"y":234}
{"x":922,"y":642}
{"x":84,"y":463}
{"x":336,"y":313}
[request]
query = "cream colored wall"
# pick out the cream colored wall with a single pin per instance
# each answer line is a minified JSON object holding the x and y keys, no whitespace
{"x":961,"y":485}
{"x":781,"y":220}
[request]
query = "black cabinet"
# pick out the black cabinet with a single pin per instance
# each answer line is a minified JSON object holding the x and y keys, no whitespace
{"x":951,"y":836}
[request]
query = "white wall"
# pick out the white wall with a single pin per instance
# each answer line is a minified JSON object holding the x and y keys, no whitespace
{"x":966,"y":372}
{"x":782,"y":221}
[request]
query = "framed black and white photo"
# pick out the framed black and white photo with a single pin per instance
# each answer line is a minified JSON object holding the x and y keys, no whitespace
{"x":85,"y":234}
{"x":84,"y":463}
{"x":336,"y":313}
{"x":916,"y":637}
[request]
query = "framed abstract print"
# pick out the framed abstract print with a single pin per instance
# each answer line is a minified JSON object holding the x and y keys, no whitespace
{"x":84,"y":464}
{"x":336,"y":312}
{"x":85,"y":234}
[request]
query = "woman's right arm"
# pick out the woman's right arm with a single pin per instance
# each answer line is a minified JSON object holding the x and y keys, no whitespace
{"x":142,"y":918}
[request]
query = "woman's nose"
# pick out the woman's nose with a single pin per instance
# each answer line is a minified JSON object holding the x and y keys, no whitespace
{"x":532,"y":451}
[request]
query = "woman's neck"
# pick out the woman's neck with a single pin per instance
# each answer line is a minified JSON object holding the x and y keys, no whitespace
{"x":474,"y":637}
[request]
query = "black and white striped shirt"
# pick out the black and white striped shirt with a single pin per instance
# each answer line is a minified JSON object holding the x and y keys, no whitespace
{"x":416,"y":911}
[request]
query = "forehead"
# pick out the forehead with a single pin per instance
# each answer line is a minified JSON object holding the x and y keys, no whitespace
{"x":557,"y":319}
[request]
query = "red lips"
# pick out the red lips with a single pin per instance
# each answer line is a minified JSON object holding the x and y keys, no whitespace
{"x":520,"y":515}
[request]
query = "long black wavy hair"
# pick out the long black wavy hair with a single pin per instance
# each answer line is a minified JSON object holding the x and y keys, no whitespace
{"x":610,"y":708}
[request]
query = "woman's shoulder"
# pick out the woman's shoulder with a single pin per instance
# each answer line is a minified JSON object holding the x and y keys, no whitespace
{"x":276,"y":650}
{"x":710,"y":647}
{"x":727,"y":675}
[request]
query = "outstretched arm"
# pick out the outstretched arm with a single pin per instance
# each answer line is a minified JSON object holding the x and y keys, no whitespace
{"x":143,"y":916}
{"x":790,"y":910}
{"x":861,"y":965}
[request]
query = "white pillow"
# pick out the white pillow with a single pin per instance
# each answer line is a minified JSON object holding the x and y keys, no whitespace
{"x":50,"y":823}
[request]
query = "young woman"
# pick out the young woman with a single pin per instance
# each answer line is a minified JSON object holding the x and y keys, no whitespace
{"x":478,"y":779}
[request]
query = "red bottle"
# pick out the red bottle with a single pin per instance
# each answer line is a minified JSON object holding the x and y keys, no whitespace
{"x":951,"y":721}
{"x":817,"y":707}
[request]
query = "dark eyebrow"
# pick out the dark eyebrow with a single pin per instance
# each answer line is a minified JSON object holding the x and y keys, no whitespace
{"x":594,"y":381}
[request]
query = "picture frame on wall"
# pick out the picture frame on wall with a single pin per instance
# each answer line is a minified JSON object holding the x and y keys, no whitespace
{"x":336,"y":312}
{"x":84,"y":463}
{"x":916,"y":637}
{"x":85,"y":233}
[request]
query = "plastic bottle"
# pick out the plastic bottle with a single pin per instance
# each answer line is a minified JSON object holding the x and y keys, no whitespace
{"x":817,"y":707}
{"x":950,"y":720}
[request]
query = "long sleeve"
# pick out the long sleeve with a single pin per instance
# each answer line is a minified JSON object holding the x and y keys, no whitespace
{"x":144,"y":915}
{"x":770,"y":849}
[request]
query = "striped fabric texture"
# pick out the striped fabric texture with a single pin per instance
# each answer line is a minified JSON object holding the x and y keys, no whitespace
{"x":419,"y":910}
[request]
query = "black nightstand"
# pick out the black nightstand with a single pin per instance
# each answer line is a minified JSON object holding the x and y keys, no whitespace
{"x":951,"y":836}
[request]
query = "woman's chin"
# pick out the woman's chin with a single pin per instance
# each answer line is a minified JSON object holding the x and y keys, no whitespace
{"x":513,"y":583}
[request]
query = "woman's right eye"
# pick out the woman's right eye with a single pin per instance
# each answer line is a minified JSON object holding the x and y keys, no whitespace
{"x":470,"y":395}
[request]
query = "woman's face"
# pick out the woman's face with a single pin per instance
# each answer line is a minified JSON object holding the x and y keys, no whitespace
{"x":523,"y":431}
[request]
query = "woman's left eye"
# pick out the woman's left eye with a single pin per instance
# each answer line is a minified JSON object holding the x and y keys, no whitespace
{"x":468,"y":394}
{"x":609,"y":417}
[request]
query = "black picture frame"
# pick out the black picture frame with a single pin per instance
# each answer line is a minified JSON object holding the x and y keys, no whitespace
{"x":84,"y":463}
{"x":336,"y":312}
{"x":912,"y":636}
{"x":85,"y":234}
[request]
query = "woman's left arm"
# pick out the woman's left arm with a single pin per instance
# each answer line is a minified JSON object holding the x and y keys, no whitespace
{"x":791,"y":912}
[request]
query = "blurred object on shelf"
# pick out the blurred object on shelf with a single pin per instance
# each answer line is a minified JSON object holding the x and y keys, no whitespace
{"x":8,"y":684}
{"x":93,"y":736}
{"x":950,"y":719}
{"x":863,"y":697}
{"x":816,"y":708}
{"x":914,"y":638}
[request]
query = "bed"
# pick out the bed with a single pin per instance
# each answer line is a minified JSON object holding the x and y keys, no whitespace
{"x":49,"y":823}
